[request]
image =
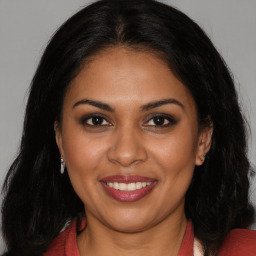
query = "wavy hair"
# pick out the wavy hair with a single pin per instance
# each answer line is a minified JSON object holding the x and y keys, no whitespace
{"x":39,"y":201}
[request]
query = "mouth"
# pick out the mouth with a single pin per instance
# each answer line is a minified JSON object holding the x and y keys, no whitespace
{"x":128,"y":188}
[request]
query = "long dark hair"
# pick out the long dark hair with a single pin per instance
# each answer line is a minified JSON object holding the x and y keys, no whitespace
{"x":39,"y":201}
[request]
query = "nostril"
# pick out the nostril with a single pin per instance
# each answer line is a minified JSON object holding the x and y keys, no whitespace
{"x":127,"y":154}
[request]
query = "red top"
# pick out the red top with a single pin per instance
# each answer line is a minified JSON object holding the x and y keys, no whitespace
{"x":239,"y":242}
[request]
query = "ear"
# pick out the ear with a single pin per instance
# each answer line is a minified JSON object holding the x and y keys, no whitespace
{"x":204,"y":144}
{"x":58,"y":137}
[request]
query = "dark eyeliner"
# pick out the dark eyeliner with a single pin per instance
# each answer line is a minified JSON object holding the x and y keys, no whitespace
{"x":85,"y":118}
{"x":172,"y":121}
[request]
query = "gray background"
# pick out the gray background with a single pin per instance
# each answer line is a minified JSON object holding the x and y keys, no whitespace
{"x":27,"y":25}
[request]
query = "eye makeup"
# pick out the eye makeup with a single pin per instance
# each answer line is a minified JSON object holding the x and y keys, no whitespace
{"x":160,"y":120}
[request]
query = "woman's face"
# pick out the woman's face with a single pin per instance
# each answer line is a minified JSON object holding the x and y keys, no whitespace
{"x":130,"y":139}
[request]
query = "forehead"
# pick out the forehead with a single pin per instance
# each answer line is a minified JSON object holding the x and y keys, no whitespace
{"x":117,"y":74}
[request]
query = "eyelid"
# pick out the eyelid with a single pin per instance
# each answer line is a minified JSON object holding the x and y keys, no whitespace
{"x":85,"y":118}
{"x":170,"y":118}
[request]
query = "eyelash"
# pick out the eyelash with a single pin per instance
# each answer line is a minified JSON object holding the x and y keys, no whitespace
{"x":85,"y":120}
{"x":166,"y":119}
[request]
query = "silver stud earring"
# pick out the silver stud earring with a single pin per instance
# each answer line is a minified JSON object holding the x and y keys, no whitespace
{"x":62,"y":166}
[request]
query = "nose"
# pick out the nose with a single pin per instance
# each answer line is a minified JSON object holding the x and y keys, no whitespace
{"x":127,"y":148}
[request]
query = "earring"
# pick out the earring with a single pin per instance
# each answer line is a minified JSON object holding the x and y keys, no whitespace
{"x":62,"y":166}
{"x":202,"y":158}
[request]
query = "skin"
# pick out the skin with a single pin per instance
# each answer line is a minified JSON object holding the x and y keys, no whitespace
{"x":128,"y":142}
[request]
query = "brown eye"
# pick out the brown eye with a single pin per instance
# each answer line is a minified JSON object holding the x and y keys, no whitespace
{"x":161,"y":121}
{"x":95,"y":120}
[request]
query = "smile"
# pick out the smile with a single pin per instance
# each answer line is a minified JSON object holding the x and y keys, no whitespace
{"x":128,"y":188}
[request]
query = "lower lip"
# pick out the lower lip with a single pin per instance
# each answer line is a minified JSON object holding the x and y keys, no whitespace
{"x":128,"y":196}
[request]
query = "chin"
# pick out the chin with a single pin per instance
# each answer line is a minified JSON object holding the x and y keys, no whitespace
{"x":131,"y":227}
{"x":130,"y":223}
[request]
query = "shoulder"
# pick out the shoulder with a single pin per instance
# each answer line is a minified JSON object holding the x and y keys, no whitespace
{"x":63,"y":242}
{"x":239,"y":242}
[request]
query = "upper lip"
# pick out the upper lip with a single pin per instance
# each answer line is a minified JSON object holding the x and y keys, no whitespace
{"x":126,"y":179}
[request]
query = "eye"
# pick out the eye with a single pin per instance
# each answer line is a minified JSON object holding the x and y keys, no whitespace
{"x":95,"y":120}
{"x":161,"y":121}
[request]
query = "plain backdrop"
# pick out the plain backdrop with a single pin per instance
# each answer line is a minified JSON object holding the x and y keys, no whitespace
{"x":27,"y":25}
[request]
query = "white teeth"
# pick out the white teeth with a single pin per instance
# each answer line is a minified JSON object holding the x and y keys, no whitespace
{"x":123,"y":186}
{"x":138,"y":185}
{"x":131,"y":186}
{"x":116,"y":186}
{"x":128,"y":187}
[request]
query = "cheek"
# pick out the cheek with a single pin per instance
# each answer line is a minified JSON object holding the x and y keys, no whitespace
{"x":176,"y":157}
{"x":82,"y":153}
{"x":176,"y":151}
{"x":83,"y":158}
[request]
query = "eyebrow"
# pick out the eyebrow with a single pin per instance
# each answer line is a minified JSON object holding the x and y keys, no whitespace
{"x":94,"y":103}
{"x":160,"y":103}
{"x":145,"y":107}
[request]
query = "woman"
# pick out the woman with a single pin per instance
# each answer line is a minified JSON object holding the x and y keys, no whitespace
{"x":133,"y":142}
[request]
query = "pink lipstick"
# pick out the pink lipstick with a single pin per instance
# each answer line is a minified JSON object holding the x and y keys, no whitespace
{"x":128,"y":188}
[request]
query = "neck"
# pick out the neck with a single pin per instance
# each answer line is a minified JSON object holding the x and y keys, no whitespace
{"x":163,"y":239}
